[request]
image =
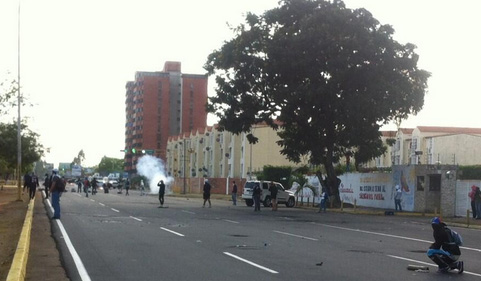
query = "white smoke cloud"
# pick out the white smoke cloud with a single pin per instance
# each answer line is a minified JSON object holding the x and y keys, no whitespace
{"x":154,"y":170}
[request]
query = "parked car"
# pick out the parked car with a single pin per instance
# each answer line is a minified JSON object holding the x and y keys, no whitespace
{"x":283,"y":196}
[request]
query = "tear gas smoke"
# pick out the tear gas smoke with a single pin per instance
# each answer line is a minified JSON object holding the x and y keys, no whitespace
{"x":154,"y":170}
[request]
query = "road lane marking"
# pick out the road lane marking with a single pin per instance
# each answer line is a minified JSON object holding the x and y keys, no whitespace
{"x":92,"y":200}
{"x":115,"y":210}
{"x":76,"y":258}
{"x":251,"y":263}
{"x":137,"y":219}
{"x":101,"y":204}
{"x":295,"y":235}
{"x":388,"y":235}
{"x":171,"y":231}
{"x":188,"y":212}
{"x":430,"y":264}
{"x":231,"y":221}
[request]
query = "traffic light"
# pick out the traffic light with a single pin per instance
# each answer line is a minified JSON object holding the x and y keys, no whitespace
{"x":134,"y":150}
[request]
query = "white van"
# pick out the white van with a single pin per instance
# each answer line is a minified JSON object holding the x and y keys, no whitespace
{"x":283,"y":196}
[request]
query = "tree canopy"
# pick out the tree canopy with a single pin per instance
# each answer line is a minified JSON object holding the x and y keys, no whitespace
{"x":31,"y":150}
{"x":110,"y":165}
{"x":330,"y":76}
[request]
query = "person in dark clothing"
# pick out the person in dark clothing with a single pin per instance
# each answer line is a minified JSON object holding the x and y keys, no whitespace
{"x":234,"y":194}
{"x":444,"y":252}
{"x":273,"y":191}
{"x":94,"y":185}
{"x":256,"y":195}
{"x":161,"y":186}
{"x":47,"y":184}
{"x":27,"y":181}
{"x":206,"y":193}
{"x":33,"y":186}
{"x":79,"y":185}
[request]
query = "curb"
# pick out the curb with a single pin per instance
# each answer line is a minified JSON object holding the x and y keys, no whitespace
{"x":18,"y":269}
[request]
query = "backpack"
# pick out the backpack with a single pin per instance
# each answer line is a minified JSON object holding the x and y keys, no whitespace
{"x":60,"y":185}
{"x":456,"y":238}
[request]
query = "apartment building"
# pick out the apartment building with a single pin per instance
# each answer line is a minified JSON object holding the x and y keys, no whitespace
{"x":161,"y":104}
{"x":212,"y":153}
{"x":437,"y":145}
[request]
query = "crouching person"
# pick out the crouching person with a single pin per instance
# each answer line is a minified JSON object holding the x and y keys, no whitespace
{"x":445,"y":250}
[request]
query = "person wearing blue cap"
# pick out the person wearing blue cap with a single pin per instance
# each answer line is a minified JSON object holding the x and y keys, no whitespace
{"x":445,"y":250}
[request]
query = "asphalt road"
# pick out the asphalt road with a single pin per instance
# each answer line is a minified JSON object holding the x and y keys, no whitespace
{"x":118,"y":237}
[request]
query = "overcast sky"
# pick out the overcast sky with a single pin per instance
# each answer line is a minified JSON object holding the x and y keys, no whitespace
{"x":76,"y":57}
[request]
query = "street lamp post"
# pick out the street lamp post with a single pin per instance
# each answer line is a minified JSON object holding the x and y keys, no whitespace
{"x":19,"y":135}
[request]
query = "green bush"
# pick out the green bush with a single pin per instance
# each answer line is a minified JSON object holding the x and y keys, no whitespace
{"x":469,"y":172}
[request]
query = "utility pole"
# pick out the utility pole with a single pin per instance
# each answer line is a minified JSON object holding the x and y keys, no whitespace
{"x":19,"y":127}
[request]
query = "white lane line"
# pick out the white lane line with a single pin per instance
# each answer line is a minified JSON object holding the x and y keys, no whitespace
{"x":430,"y":264}
{"x":137,"y":219}
{"x":298,"y":236}
{"x":101,"y":204}
{"x":388,"y":235}
{"x":92,"y":200}
{"x":171,"y":231}
{"x":188,"y":212}
{"x":115,"y":210}
{"x":76,"y":258}
{"x":231,"y":221}
{"x":251,"y":263}
{"x":376,"y":233}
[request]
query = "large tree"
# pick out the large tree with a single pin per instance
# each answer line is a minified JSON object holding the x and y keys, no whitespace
{"x":331,"y":75}
{"x":32,"y":151}
{"x":110,"y":165}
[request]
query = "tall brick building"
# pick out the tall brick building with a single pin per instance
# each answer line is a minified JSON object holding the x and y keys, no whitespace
{"x":161,"y":104}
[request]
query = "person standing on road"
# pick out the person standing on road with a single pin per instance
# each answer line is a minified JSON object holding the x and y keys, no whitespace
{"x":273,"y":191}
{"x":94,"y":185}
{"x":142,"y":188}
{"x":234,"y":194}
{"x":55,"y":192}
{"x":206,"y":192}
{"x":86,"y":186}
{"x":256,"y":195}
{"x":397,"y":199}
{"x":79,"y":185}
{"x":33,"y":186}
{"x":161,"y":186}
{"x":127,"y":186}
